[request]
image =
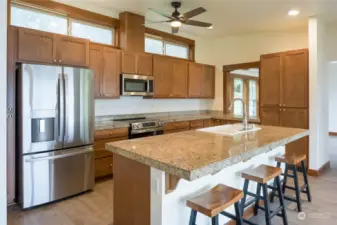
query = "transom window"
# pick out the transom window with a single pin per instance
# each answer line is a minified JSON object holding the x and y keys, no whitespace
{"x":45,"y":20}
{"x":160,"y":46}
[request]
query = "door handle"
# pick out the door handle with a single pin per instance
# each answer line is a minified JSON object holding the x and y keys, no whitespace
{"x":59,"y":156}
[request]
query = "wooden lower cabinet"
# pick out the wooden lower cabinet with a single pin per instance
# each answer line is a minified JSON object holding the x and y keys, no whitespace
{"x":217,"y":122}
{"x":208,"y":123}
{"x":103,"y":167}
{"x":176,"y":130}
{"x":196,"y":124}
{"x":104,"y":158}
{"x":270,"y":116}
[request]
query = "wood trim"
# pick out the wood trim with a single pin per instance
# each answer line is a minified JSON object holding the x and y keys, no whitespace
{"x":168,"y":36}
{"x":75,"y":13}
{"x":332,"y":133}
{"x":241,"y":66}
{"x":317,"y":173}
{"x":243,"y":77}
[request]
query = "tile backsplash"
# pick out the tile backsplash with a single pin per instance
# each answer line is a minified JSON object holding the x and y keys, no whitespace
{"x":135,"y":105}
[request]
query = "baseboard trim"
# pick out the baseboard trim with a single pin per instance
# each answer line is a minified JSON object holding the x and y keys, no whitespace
{"x":332,"y":133}
{"x":316,"y":173}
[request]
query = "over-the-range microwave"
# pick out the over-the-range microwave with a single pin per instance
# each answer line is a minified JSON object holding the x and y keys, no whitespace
{"x":136,"y":85}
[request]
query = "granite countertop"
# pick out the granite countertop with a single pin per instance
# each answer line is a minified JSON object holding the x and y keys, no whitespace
{"x":194,"y":154}
{"x":107,"y":122}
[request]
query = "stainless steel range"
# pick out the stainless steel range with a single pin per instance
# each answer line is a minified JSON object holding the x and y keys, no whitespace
{"x":142,"y":127}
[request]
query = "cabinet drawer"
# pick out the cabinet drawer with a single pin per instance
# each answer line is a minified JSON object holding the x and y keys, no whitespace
{"x":217,"y":122}
{"x":103,"y":167}
{"x":208,"y":123}
{"x":176,"y":130}
{"x":99,"y":147}
{"x":195,"y":124}
{"x":177,"y":125}
{"x":111,"y":133}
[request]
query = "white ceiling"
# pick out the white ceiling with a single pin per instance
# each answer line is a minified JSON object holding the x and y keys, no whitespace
{"x":229,"y":17}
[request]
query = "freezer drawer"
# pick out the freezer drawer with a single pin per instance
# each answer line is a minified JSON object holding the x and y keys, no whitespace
{"x":55,"y":175}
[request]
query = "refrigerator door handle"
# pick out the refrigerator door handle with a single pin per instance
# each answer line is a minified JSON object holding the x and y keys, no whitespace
{"x":61,"y":107}
{"x":59,"y":156}
{"x":65,"y":119}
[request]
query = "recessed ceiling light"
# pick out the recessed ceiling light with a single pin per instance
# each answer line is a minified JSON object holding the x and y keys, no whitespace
{"x":293,"y":12}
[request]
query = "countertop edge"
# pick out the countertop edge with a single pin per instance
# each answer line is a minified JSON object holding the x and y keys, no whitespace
{"x":209,"y":169}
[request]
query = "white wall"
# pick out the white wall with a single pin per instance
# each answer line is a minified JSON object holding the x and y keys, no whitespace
{"x":3,"y":104}
{"x":318,"y":96}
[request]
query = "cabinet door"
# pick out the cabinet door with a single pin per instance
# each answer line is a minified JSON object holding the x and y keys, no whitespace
{"x":95,"y":55}
{"x":110,"y":72}
{"x":129,"y":63}
{"x":294,"y":80}
{"x":209,"y":81}
{"x":36,"y":46}
{"x":179,"y":79}
{"x":162,"y":76}
{"x":296,"y":118}
{"x":195,"y":80}
{"x":144,"y":64}
{"x":270,"y":116}
{"x":270,"y":75}
{"x":72,"y":51}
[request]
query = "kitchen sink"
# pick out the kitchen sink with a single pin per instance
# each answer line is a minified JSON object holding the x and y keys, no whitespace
{"x":230,"y":130}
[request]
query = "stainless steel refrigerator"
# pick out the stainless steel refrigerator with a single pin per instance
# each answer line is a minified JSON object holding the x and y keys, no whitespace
{"x":55,"y":133}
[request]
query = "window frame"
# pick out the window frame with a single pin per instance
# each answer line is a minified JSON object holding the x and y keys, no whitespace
{"x":246,"y":80}
{"x":168,"y":41}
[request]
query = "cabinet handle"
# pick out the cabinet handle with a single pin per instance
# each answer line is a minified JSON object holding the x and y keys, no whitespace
{"x":54,"y":60}
{"x":279,"y":104}
{"x":60,"y":61}
{"x":110,"y":165}
{"x":284,"y":104}
{"x":284,"y":110}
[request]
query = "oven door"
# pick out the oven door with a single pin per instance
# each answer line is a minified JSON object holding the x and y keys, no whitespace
{"x":136,"y":85}
{"x":146,"y":134}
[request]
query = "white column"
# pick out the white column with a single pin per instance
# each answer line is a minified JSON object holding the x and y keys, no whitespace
{"x":3,"y":104}
{"x":319,"y":102}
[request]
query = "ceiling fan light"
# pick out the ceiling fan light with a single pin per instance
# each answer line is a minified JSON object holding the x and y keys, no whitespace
{"x":210,"y":27}
{"x":176,"y":23}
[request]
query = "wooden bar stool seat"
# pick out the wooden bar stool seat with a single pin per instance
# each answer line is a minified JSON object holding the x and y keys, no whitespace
{"x":214,"y":202}
{"x":261,"y":175}
{"x":291,"y":162}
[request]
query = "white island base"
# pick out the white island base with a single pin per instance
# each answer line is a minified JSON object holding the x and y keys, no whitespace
{"x":170,"y":208}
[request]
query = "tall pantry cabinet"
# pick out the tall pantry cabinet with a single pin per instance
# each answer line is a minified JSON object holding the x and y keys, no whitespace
{"x":284,"y":93}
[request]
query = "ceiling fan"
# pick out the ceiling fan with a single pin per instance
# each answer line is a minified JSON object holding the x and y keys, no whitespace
{"x":176,"y":19}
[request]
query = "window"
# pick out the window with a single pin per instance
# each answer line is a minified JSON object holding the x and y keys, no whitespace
{"x":160,"y":46}
{"x":245,"y":87}
{"x":40,"y":19}
{"x":92,"y":32}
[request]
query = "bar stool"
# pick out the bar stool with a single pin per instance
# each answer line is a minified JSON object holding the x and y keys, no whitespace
{"x":261,"y":175}
{"x":214,"y":202}
{"x":291,"y":162}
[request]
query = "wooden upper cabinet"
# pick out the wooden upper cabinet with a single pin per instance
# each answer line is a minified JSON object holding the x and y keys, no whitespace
{"x":110,"y":72}
{"x":270,"y":116}
{"x":162,"y":76}
{"x":195,"y":80}
{"x":137,"y":63}
{"x":95,"y":56}
{"x":179,"y":78}
{"x":72,"y":51}
{"x":209,"y":81}
{"x":129,"y":62}
{"x":144,"y":64}
{"x":294,"y":80}
{"x":36,"y":46}
{"x":270,"y":75}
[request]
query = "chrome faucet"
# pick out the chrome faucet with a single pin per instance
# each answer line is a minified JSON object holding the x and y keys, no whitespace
{"x":245,"y":115}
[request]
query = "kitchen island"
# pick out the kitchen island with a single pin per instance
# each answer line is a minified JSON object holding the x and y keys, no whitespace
{"x":154,"y":176}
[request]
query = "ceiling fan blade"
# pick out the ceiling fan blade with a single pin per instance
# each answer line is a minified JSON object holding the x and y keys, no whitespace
{"x":161,"y":13}
{"x":193,"y":13}
{"x":175,"y":30}
{"x":155,"y":22}
{"x":197,"y":23}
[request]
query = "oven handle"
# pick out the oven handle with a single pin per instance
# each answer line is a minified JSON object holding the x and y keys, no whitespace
{"x":59,"y":156}
{"x":146,"y":131}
